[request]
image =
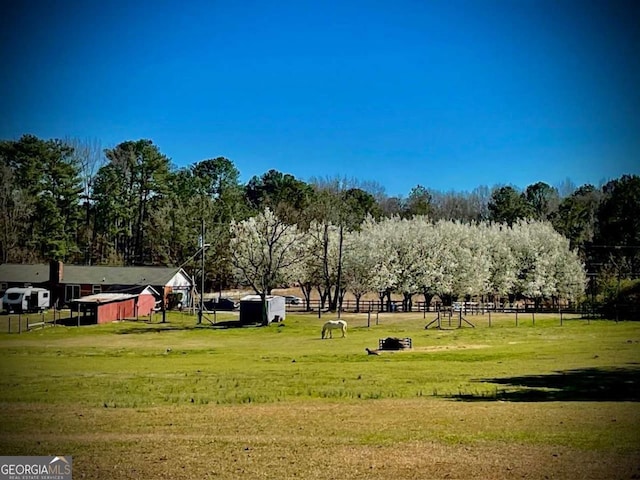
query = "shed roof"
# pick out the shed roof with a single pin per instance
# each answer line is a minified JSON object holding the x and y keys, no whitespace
{"x":257,"y":298}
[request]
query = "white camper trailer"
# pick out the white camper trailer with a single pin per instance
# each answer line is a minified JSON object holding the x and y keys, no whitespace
{"x":27,"y":299}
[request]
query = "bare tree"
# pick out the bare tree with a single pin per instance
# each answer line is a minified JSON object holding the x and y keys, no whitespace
{"x":15,"y":209}
{"x":89,"y":157}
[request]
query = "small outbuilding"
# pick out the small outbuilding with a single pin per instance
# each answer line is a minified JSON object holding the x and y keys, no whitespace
{"x":111,"y":306}
{"x":251,"y":309}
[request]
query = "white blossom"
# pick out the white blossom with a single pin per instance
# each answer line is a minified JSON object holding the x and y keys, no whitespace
{"x":265,"y":251}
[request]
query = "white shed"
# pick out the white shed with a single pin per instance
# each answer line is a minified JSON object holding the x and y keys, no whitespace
{"x":251,"y":309}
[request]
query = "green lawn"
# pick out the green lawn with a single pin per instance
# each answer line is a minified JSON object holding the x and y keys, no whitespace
{"x":201,"y":396}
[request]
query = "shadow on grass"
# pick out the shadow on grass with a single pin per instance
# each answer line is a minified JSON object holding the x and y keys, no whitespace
{"x":167,"y":327}
{"x":159,"y":328}
{"x":73,"y":322}
{"x":606,"y":384}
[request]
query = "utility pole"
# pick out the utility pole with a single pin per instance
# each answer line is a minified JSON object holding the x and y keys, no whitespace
{"x":202,"y":246}
{"x":339,"y":288}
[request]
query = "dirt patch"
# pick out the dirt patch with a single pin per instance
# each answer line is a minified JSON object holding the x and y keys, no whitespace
{"x":318,"y":440}
{"x":443,"y":348}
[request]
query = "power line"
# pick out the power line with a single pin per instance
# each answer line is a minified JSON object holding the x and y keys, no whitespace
{"x":614,"y":247}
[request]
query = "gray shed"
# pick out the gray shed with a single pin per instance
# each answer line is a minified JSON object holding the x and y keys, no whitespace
{"x":251,"y":309}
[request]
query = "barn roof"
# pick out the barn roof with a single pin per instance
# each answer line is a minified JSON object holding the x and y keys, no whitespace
{"x":106,"y":297}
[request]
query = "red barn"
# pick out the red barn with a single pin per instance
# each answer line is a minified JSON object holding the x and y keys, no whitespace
{"x":109,"y":307}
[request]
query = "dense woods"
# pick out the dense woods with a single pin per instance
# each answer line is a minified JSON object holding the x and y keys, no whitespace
{"x":130,"y":205}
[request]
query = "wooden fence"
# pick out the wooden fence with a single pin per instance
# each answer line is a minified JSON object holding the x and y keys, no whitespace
{"x":396,"y":306}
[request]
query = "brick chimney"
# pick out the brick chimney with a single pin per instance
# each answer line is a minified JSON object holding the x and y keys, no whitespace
{"x":56,"y":271}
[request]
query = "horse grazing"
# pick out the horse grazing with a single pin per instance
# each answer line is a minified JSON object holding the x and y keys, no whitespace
{"x":331,"y":325}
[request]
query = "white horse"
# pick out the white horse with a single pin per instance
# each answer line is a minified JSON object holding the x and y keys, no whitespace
{"x":331,"y":325}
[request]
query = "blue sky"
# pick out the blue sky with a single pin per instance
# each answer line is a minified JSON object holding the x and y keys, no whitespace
{"x":446,"y":94}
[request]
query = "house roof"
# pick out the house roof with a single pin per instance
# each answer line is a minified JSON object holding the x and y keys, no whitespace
{"x":77,"y":274}
{"x":11,"y":272}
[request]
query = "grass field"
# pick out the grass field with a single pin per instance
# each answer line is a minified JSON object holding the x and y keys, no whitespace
{"x":174,"y":400}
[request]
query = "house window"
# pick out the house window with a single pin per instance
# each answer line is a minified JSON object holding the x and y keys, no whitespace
{"x":71,"y":292}
{"x":96,"y":289}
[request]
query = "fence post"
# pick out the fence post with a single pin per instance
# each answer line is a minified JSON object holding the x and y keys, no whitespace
{"x":377,"y":313}
{"x":19,"y":323}
{"x":533,"y":318}
{"x":516,"y":315}
{"x":368,"y":318}
{"x":9,"y":325}
{"x":560,"y":311}
{"x":489,"y":311}
{"x":319,"y":311}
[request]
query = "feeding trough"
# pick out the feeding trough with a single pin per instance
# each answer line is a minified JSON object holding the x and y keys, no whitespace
{"x":394,"y":343}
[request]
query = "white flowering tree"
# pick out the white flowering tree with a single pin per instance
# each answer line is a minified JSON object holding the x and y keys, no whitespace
{"x":265,"y":252}
{"x":429,"y":267}
{"x":571,"y":276}
{"x":453,"y":259}
{"x":359,"y":265}
{"x":320,"y":266}
{"x":547,"y":268}
{"x":392,"y":246}
{"x":450,"y":259}
{"x":381,"y":256}
{"x":404,"y":237}
{"x":471,"y":250}
{"x":503,"y":268}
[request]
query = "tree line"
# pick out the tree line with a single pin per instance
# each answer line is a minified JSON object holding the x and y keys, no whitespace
{"x":70,"y":200}
{"x":409,"y":256}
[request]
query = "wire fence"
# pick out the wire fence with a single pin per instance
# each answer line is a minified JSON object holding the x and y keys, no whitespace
{"x":370,"y":312}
